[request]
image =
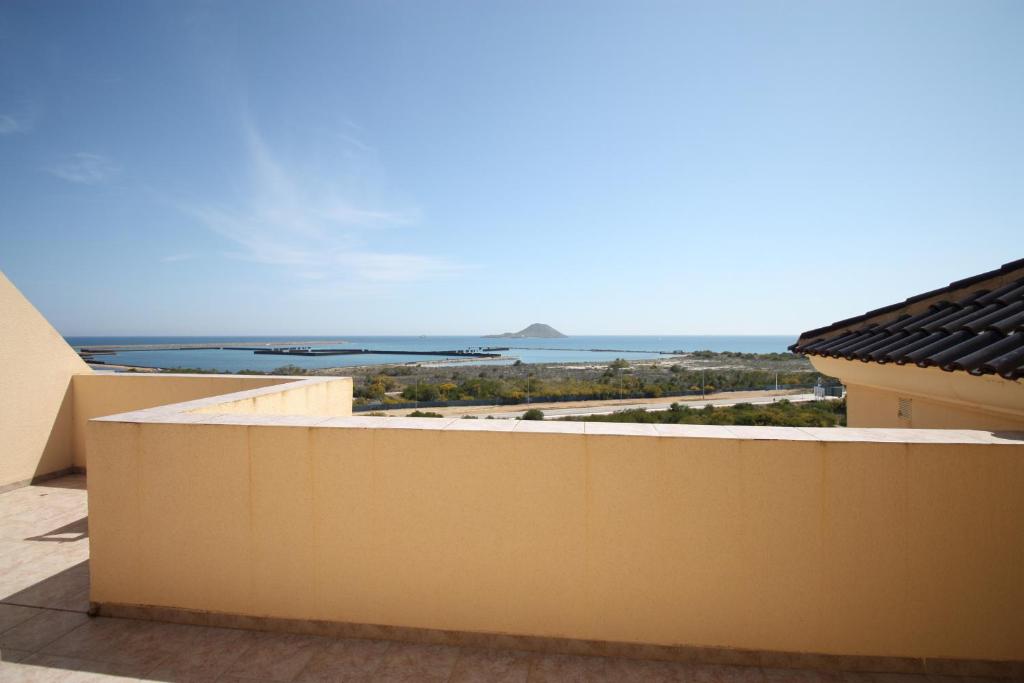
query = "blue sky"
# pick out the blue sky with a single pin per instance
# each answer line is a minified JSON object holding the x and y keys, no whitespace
{"x":472,"y":167}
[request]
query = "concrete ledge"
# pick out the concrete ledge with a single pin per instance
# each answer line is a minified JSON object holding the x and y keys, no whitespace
{"x":570,"y":646}
{"x":207,"y":411}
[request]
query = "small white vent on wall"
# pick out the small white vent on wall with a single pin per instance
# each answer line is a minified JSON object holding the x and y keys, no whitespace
{"x":906,"y":408}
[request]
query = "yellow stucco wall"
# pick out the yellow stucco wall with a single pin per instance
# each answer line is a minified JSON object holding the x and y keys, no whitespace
{"x":797,"y":540}
{"x":871,"y":407}
{"x":320,"y":397}
{"x":938,"y":399}
{"x":96,"y":395}
{"x":35,"y":391}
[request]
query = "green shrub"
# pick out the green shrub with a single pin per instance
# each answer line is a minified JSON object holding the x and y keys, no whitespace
{"x":780,"y":414}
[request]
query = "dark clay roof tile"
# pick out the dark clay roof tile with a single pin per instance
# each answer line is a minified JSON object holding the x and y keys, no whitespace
{"x":898,"y":340}
{"x":1009,"y":365}
{"x":1013,"y":323}
{"x":899,"y":354}
{"x":953,"y":314}
{"x":1004,"y":294}
{"x":971,"y":344}
{"x":995,"y":317}
{"x":924,"y":354}
{"x":973,"y":361}
{"x":973,"y":326}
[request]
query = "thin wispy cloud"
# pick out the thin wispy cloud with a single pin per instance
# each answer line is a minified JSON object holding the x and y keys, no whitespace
{"x":85,"y":169}
{"x":354,"y":142}
{"x":306,"y":226}
{"x":11,"y":124}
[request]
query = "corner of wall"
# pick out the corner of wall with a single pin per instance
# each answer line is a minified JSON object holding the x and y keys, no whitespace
{"x":36,"y":434}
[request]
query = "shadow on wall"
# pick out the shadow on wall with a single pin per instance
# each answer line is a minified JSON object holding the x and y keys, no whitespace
{"x":55,"y":459}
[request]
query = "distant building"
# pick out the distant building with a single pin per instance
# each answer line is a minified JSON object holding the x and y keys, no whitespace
{"x":952,"y":358}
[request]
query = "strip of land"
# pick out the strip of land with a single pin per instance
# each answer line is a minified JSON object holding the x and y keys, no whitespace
{"x":573,"y":408}
{"x":244,"y":346}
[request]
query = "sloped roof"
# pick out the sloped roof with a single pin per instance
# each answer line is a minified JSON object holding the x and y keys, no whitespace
{"x":974,"y":325}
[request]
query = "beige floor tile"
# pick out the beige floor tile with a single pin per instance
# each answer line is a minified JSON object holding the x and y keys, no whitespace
{"x":25,"y":673}
{"x":65,"y":526}
{"x":123,"y":641}
{"x":12,"y":615}
{"x":41,"y":630}
{"x":801,"y":676}
{"x":58,"y":591}
{"x":10,"y":655}
{"x":71,"y":481}
{"x":277,"y":657}
{"x":885,"y":678}
{"x":413,"y":662}
{"x":568,"y":668}
{"x":492,"y":666}
{"x":697,"y":673}
{"x":73,"y":602}
{"x":84,"y":666}
{"x":643,"y":671}
{"x":206,"y":654}
{"x":344,"y":660}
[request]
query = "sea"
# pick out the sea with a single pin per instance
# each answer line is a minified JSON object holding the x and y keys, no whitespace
{"x":575,"y":349}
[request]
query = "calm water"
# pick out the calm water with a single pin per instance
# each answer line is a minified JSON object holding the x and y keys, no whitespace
{"x":568,"y":350}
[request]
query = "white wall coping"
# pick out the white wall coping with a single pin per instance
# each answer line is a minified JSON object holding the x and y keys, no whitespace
{"x":187,"y":407}
{"x":203,"y":375}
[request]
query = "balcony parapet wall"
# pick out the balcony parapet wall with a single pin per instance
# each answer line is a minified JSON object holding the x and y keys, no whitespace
{"x":890,"y":543}
{"x":97,"y":394}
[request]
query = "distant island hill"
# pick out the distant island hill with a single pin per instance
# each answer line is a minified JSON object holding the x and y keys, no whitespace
{"x":534,"y":331}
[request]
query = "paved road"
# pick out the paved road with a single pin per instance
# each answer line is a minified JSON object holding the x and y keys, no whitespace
{"x":608,"y":410}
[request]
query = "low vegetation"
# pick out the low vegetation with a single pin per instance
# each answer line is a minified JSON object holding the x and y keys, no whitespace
{"x":782,"y":413}
{"x":618,"y":380}
{"x":289,"y":370}
{"x":785,"y":356}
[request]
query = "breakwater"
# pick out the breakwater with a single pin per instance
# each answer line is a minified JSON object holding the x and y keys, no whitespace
{"x":206,"y":346}
{"x":492,"y":352}
{"x":560,"y":348}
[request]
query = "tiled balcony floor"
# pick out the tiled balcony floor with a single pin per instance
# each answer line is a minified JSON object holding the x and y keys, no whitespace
{"x":45,"y":634}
